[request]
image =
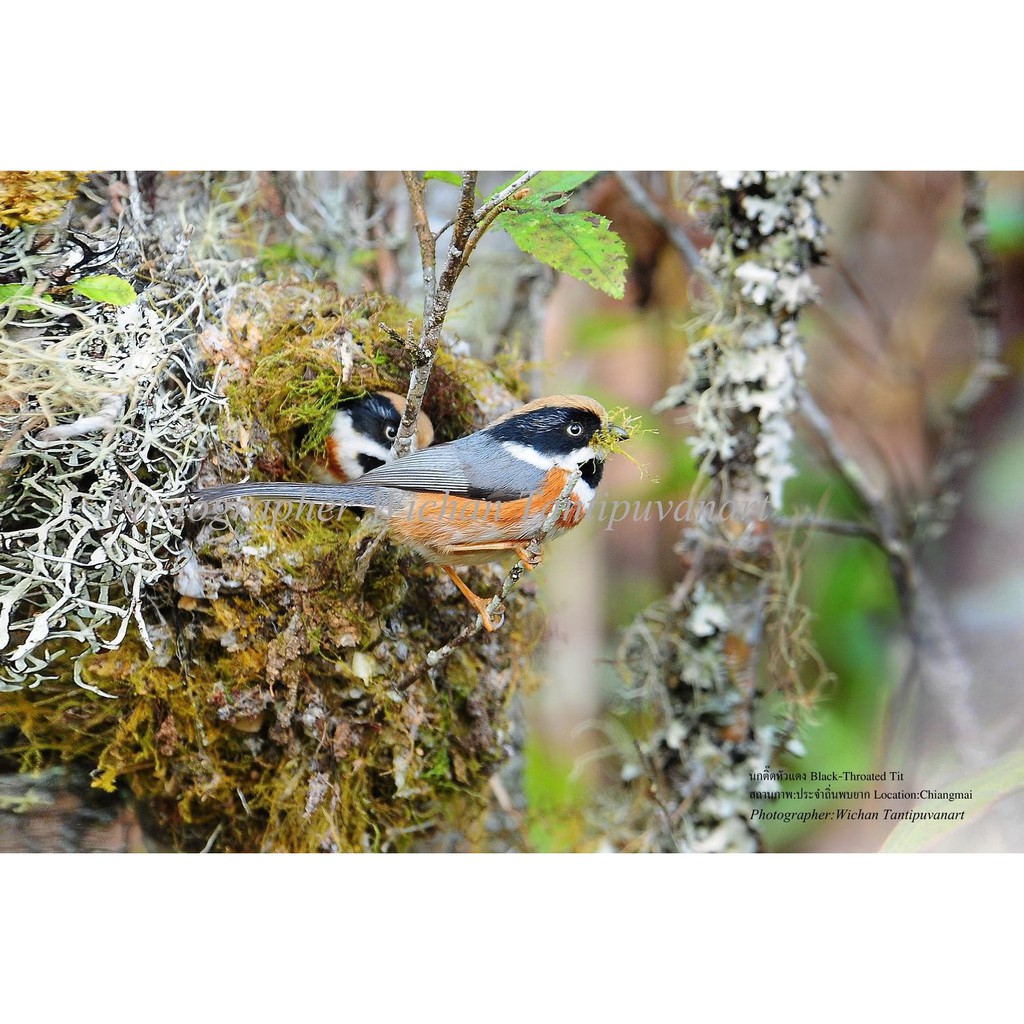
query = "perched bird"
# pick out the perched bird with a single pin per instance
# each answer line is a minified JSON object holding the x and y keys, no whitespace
{"x":363,"y":431}
{"x":470,"y":501}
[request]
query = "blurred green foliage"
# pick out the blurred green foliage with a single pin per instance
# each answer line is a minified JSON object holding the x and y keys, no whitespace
{"x":556,"y":799}
{"x":1005,"y":221}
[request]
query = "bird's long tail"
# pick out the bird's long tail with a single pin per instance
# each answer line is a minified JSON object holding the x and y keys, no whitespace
{"x":214,"y":498}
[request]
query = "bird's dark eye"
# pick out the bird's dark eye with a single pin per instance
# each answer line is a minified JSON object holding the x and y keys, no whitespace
{"x":391,"y":432}
{"x":574,"y":429}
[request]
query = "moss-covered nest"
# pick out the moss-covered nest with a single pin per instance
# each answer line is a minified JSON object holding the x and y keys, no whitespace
{"x":267,"y":716}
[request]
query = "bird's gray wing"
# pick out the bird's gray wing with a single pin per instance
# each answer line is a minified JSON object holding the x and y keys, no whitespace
{"x":471,"y":467}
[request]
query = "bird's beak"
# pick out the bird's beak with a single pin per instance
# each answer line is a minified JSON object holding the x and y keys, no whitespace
{"x":621,"y":433}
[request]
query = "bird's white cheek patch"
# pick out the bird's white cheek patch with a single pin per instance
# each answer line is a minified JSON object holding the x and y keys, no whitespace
{"x":577,"y":458}
{"x":571,"y":462}
{"x":583,"y":493}
{"x":528,"y":455}
{"x":351,"y":444}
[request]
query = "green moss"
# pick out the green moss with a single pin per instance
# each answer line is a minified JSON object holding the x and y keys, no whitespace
{"x":308,"y":348}
{"x":35,"y":197}
{"x":268,"y":717}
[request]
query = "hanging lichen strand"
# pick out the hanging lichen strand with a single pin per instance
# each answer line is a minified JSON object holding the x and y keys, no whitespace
{"x":692,"y":659}
{"x":87,"y":525}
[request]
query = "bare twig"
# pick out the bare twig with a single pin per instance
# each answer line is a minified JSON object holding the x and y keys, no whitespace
{"x":878,"y":318}
{"x":213,"y":838}
{"x":468,"y":228}
{"x":363,"y":561}
{"x":936,"y":663}
{"x":840,"y":527}
{"x":654,"y":776}
{"x":135,"y":201}
{"x":676,"y":235}
{"x":902,"y":564}
{"x":985,"y":304}
{"x":847,"y":467}
{"x":416,"y":186}
{"x":506,"y":193}
{"x":938,"y":669}
{"x":372,"y":226}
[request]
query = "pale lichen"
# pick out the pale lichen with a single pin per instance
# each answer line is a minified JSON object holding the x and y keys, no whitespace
{"x":746,"y":355}
{"x":103,"y":424}
{"x":696,"y":729}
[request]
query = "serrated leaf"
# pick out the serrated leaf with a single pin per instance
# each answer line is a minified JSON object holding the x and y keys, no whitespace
{"x":450,"y":177}
{"x":580,"y":244}
{"x":106,"y":288}
{"x":985,"y":788}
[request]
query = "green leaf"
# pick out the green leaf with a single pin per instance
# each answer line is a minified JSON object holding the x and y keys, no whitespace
{"x":986,"y":788}
{"x":13,"y":291}
{"x":451,"y":177}
{"x":580,"y":244}
{"x":548,"y":183}
{"x":106,"y":288}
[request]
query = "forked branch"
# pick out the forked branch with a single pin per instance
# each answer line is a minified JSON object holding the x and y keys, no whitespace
{"x":468,"y":227}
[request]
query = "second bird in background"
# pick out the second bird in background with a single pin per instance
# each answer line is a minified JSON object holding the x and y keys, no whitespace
{"x":363,"y":431}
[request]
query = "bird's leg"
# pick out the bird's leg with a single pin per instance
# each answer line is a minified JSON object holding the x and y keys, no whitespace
{"x":527,"y":557}
{"x":479,"y":603}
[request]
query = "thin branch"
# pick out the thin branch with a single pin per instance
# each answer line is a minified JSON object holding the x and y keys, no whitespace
{"x":925,"y":621}
{"x":985,"y":303}
{"x":901,"y":562}
{"x":443,"y":228}
{"x":879,"y":320}
{"x":676,"y":235}
{"x":654,"y":777}
{"x":363,"y":561}
{"x":465,"y":224}
{"x":506,"y":193}
{"x":840,"y":527}
{"x":416,"y":187}
{"x":467,"y":230}
{"x":483,"y":224}
{"x":936,"y":661}
{"x":844,"y":463}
